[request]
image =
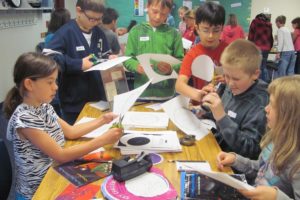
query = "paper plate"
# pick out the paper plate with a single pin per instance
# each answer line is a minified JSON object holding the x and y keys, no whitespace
{"x":203,"y":67}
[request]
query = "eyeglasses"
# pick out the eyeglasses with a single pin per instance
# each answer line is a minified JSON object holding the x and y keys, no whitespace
{"x":91,"y":19}
{"x":207,"y":31}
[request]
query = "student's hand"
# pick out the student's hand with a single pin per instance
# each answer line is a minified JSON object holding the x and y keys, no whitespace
{"x":108,"y":117}
{"x":260,"y":193}
{"x":277,"y":57}
{"x":225,"y":159}
{"x":112,"y":56}
{"x":164,"y":68}
{"x":209,"y":88}
{"x":140,"y":69}
{"x":200,"y":94}
{"x":219,"y":79}
{"x":214,"y":102}
{"x":112,"y":135}
{"x":86,"y":63}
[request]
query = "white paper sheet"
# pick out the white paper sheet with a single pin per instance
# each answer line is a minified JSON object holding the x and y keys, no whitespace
{"x":123,"y":102}
{"x":186,"y":43}
{"x":183,"y":118}
{"x":145,"y":120}
{"x":109,"y":63}
{"x":186,"y":166}
{"x":98,"y":131}
{"x":100,"y":105}
{"x":203,"y":67}
{"x":225,"y":178}
{"x":144,"y":60}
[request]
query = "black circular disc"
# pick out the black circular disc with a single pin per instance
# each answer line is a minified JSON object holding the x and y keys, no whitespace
{"x":138,"y":141}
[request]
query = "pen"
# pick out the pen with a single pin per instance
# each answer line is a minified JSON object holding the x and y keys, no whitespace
{"x":187,"y":161}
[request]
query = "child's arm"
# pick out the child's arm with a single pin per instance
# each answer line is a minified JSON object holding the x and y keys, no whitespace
{"x":183,"y":88}
{"x":48,"y":145}
{"x":76,"y":131}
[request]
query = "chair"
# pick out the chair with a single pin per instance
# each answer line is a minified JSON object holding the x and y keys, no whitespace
{"x":7,"y":180}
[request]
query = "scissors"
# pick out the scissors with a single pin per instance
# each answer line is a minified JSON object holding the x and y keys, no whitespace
{"x":119,"y":123}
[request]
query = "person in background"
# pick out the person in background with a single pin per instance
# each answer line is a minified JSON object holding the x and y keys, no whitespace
{"x":154,"y":37}
{"x":37,"y":133}
{"x":182,"y":25}
{"x":239,"y":112}
{"x":170,"y":19}
{"x":210,"y":19}
{"x":260,"y":32}
{"x":189,"y":19}
{"x":296,"y":40}
{"x":72,"y":46}
{"x":285,"y":48}
{"x":108,"y":26}
{"x":59,"y":17}
{"x":277,"y":170}
{"x":232,"y":30}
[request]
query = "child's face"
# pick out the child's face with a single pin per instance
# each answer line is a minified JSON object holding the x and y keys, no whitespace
{"x":88,"y":19}
{"x":157,"y":14}
{"x":238,"y":80}
{"x":190,"y":22}
{"x":43,"y":90}
{"x":181,"y":14}
{"x":271,"y":113}
{"x":209,"y":35}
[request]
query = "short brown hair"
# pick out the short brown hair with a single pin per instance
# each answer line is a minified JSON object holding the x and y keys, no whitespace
{"x":92,"y":5}
{"x":281,"y":19}
{"x":242,"y":54}
{"x":164,"y":3}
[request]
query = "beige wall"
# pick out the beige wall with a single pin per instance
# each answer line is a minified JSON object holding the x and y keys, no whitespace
{"x":288,"y":8}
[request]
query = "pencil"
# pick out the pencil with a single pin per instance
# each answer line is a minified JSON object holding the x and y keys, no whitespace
{"x":187,"y":161}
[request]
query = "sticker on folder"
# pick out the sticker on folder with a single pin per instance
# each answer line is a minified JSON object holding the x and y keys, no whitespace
{"x":203,"y":67}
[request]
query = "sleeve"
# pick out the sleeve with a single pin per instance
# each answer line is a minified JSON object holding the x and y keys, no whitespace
{"x":131,"y":50}
{"x":251,"y":34}
{"x":243,"y":138}
{"x":29,"y":120}
{"x":247,"y":166}
{"x":186,"y":66}
{"x":57,"y":50}
{"x":178,"y":50}
{"x":280,"y":40}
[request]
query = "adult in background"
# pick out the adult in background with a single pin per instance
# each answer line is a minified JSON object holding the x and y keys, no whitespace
{"x":296,"y":40}
{"x":260,"y":32}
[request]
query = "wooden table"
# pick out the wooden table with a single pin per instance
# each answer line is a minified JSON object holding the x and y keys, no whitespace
{"x":207,"y":148}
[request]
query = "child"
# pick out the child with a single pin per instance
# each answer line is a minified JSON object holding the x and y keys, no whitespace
{"x":59,"y":17}
{"x":210,"y":19}
{"x":108,"y":26}
{"x":232,"y":30}
{"x":277,"y":170}
{"x":72,"y":46}
{"x":182,"y":25}
{"x":296,"y":39}
{"x":189,"y":19}
{"x":285,"y":48}
{"x":34,"y":128}
{"x":154,"y":37}
{"x":239,"y":114}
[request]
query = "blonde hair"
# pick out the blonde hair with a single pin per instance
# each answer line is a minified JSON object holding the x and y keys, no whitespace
{"x":189,"y":14}
{"x":285,"y":135}
{"x":242,"y":54}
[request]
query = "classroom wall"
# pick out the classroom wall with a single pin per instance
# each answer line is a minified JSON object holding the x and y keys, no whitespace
{"x":14,"y":42}
{"x":289,"y":8}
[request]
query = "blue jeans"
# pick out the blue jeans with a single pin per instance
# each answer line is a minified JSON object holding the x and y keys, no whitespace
{"x":20,"y":196}
{"x":286,"y":64}
{"x":264,"y":72}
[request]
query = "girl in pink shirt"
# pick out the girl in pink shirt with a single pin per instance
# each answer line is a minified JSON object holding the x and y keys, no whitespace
{"x":182,"y":25}
{"x":296,"y":40}
{"x":232,"y":30}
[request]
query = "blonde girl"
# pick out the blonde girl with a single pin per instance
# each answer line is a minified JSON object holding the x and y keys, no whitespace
{"x":37,"y":133}
{"x":277,"y":171}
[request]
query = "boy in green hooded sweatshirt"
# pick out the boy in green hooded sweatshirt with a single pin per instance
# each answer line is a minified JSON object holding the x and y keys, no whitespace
{"x":154,"y":37}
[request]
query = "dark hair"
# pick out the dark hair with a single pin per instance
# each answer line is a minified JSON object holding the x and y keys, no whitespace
{"x":92,"y":5}
{"x":58,"y":18}
{"x":297,"y":22}
{"x":281,"y":19}
{"x":131,"y":24}
{"x":232,"y":20}
{"x":28,"y":65}
{"x":109,"y":16}
{"x":164,"y":3}
{"x":211,"y":13}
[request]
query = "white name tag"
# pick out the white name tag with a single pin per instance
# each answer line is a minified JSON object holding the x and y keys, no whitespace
{"x":145,"y":38}
{"x":80,"y":48}
{"x":231,"y":114}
